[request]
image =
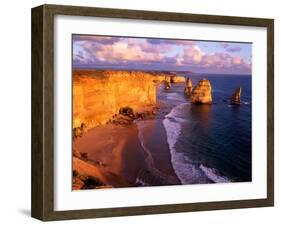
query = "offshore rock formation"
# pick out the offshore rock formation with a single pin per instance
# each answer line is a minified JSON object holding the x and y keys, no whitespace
{"x":99,"y":95}
{"x":177,"y":79}
{"x":167,"y":85}
{"x":188,"y":87}
{"x":202,"y":93}
{"x":236,"y":96}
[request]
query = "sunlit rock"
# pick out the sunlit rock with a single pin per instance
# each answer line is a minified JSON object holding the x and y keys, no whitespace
{"x":98,"y":95}
{"x":177,"y":79}
{"x":202,"y":93}
{"x":188,"y":87}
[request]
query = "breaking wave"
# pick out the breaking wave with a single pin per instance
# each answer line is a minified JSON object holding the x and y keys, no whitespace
{"x":187,"y":171}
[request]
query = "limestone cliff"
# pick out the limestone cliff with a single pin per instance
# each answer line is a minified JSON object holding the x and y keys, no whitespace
{"x":98,"y":95}
{"x":236,"y":96}
{"x":202,"y":93}
{"x":188,"y":87}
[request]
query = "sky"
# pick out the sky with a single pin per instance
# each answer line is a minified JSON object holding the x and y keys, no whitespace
{"x":130,"y":53}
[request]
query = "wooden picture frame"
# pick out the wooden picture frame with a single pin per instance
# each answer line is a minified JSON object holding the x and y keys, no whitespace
{"x":43,"y":111}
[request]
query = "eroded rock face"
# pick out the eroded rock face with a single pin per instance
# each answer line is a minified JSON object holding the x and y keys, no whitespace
{"x":236,"y":96}
{"x":98,"y":95}
{"x":202,"y":93}
{"x":188,"y":87}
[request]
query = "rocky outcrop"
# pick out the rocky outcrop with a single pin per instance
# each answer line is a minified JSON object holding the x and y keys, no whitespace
{"x":236,"y":96}
{"x":167,"y":85}
{"x":87,"y":175}
{"x":188,"y":87}
{"x":98,"y":95}
{"x":159,"y":77}
{"x":202,"y":93}
{"x":177,"y":79}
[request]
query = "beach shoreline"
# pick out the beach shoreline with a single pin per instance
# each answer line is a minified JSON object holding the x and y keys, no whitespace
{"x":129,"y":154}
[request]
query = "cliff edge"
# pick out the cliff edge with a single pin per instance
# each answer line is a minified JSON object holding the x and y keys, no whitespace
{"x":99,"y":95}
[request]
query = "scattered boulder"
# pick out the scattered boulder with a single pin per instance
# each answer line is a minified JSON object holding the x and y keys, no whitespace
{"x":188,"y":87}
{"x":79,"y":131}
{"x":202,"y":93}
{"x":77,"y":183}
{"x":127,"y":111}
{"x":123,"y":120}
{"x":82,"y":181}
{"x":236,"y":96}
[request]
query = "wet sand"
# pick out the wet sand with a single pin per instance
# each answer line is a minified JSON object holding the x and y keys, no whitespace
{"x":153,"y":137}
{"x":129,"y":155}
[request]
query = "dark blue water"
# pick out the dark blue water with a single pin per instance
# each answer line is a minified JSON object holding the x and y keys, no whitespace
{"x":210,"y":143}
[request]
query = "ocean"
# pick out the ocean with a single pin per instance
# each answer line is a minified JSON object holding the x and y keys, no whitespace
{"x":209,"y":143}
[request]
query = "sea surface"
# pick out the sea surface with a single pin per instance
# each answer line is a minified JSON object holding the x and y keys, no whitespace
{"x":210,"y":143}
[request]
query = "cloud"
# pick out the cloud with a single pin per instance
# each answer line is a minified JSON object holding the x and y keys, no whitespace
{"x":183,"y":42}
{"x":218,"y":61}
{"x":234,"y":49}
{"x":193,"y":54}
{"x":95,"y":39}
{"x":224,"y":45}
{"x":122,"y":51}
{"x":236,"y":60}
{"x":158,"y":53}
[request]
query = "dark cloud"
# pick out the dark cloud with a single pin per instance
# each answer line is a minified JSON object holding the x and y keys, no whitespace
{"x":234,"y":49}
{"x":224,"y":45}
{"x":96,"y":39}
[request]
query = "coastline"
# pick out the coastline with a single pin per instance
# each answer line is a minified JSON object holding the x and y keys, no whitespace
{"x":119,"y":132}
{"x":169,"y":143}
{"x":130,"y":155}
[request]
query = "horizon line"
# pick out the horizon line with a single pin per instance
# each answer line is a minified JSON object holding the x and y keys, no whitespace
{"x":155,"y":70}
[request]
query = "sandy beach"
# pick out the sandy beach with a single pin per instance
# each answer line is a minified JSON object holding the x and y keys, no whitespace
{"x":126,"y":155}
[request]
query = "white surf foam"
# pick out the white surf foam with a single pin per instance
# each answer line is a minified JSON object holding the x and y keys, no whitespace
{"x":174,"y":96}
{"x":213,"y":175}
{"x":187,"y":171}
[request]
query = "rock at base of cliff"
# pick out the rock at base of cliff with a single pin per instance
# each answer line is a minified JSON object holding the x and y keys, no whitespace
{"x":202,"y":93}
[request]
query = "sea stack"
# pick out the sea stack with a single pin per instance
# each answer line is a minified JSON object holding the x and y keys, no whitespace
{"x":236,"y":96}
{"x":172,"y":78}
{"x":167,"y":85}
{"x":188,"y":87}
{"x":202,"y":93}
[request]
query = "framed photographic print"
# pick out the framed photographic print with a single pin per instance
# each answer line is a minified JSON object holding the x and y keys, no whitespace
{"x":141,"y":112}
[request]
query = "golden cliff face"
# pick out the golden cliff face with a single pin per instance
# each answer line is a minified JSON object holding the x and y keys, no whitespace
{"x":98,"y":95}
